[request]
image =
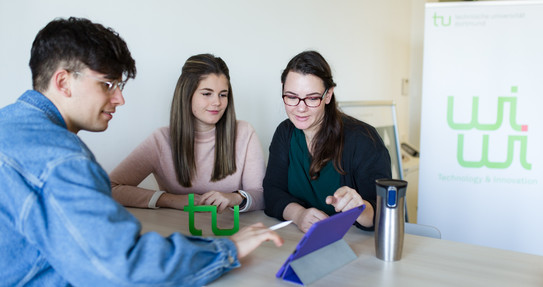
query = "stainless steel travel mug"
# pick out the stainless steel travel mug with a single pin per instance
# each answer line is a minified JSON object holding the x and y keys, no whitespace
{"x":389,"y":218}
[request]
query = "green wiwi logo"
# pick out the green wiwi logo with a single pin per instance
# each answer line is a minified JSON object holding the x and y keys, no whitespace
{"x":488,"y":127}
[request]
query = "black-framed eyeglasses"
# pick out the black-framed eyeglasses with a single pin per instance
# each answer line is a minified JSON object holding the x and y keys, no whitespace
{"x":311,"y":102}
{"x":109,"y":85}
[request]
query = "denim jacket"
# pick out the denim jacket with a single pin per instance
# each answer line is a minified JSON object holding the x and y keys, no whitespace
{"x":59,"y":225}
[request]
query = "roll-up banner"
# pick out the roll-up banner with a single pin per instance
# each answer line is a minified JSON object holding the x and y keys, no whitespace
{"x":481,"y":160}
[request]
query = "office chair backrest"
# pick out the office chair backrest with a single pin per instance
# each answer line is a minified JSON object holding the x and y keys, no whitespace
{"x":382,"y":116}
{"x":422,"y":230}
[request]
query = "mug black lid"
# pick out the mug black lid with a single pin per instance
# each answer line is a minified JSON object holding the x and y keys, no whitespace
{"x":398,"y":183}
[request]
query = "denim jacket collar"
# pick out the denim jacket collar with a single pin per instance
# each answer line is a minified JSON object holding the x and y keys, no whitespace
{"x":40,"y":101}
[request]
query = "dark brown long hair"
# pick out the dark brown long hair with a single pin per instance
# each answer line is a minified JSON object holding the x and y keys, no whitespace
{"x":182,"y":121}
{"x":328,"y":142}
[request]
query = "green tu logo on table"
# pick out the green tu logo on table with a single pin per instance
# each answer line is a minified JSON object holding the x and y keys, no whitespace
{"x":475,"y":124}
{"x":191,"y":209}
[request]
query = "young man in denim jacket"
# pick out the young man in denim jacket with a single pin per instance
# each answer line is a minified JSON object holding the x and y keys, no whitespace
{"x":58,"y":223}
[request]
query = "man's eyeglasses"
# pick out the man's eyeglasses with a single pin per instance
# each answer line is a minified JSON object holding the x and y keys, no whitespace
{"x":311,"y":102}
{"x":109,"y":85}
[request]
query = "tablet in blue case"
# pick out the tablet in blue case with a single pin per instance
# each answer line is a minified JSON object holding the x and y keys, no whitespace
{"x":324,"y":237}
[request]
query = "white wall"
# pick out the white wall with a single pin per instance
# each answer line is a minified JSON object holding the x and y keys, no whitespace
{"x":367,"y":44}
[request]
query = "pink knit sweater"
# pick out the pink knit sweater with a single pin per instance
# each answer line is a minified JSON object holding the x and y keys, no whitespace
{"x":154,"y":156}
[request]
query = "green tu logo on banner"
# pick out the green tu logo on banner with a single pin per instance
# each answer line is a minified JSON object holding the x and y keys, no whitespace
{"x":475,"y":124}
{"x":191,"y":209}
{"x":440,"y":21}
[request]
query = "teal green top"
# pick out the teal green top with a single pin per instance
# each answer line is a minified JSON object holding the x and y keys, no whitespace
{"x":300,"y":184}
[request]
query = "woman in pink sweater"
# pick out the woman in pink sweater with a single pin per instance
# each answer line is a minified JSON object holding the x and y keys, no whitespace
{"x":204,"y":151}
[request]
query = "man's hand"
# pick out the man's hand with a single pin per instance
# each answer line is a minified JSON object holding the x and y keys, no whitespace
{"x":250,"y":237}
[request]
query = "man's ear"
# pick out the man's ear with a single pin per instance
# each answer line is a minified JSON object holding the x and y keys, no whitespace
{"x":61,"y":82}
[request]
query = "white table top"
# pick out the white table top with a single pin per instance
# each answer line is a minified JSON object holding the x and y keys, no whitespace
{"x":425,"y":261}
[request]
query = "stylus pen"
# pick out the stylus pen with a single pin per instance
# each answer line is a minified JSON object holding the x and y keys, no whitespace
{"x":281,"y":225}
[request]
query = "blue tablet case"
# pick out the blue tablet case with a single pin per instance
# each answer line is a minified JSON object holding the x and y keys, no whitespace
{"x":321,"y":250}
